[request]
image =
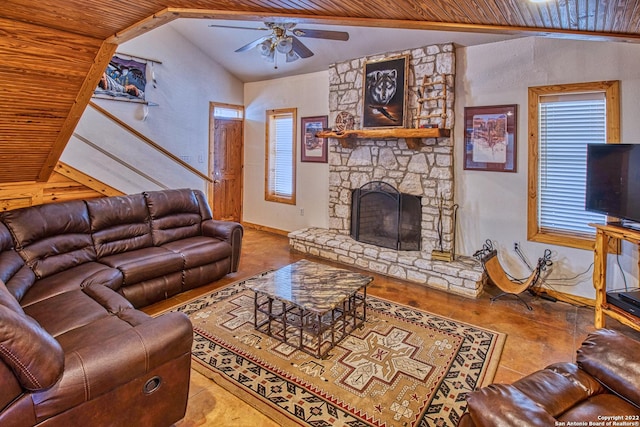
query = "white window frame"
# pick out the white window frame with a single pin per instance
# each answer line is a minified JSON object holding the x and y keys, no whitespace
{"x":536,"y":232}
{"x":280,"y":158}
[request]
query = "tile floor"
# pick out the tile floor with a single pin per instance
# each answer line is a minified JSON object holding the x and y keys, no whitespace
{"x":550,"y":333}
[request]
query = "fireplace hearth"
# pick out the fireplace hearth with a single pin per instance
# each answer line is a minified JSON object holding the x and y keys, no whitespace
{"x":382,"y":216}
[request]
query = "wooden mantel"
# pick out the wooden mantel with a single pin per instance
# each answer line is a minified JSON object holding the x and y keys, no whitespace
{"x":413,"y":137}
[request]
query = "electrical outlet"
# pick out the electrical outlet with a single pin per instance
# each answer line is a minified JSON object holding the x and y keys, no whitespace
{"x":516,"y":246}
{"x":301,"y":211}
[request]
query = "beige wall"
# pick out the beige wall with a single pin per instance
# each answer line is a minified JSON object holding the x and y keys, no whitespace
{"x":493,"y":205}
{"x":309,"y":93}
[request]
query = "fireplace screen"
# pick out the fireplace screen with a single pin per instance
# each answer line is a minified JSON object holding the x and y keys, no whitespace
{"x":382,"y":216}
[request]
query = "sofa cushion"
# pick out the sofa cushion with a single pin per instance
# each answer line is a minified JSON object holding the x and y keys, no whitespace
{"x":612,"y":359}
{"x":9,"y":300}
{"x":119,"y":224}
{"x":205,"y":210}
{"x":36,"y":359}
{"x":594,"y":411}
{"x":62,"y":313}
{"x":175,"y":214}
{"x":70,"y":280}
{"x":199,"y":250}
{"x":53,"y":237}
{"x":13,"y":271}
{"x":144,"y":264}
{"x":558,"y":387}
{"x":506,"y":406}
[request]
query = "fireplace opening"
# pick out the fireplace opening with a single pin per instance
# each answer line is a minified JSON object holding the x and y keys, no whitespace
{"x":382,"y":216}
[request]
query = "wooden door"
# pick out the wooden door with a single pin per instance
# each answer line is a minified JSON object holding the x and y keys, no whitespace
{"x":226,"y":197}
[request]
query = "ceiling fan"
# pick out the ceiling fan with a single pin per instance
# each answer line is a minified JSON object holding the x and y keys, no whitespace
{"x":284,"y":39}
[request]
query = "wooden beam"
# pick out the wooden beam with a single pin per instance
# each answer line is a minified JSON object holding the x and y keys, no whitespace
{"x":152,"y":22}
{"x":100,"y":63}
{"x":86,"y":180}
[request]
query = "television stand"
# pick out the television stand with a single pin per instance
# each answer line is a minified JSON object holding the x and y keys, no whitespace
{"x":603,"y":234}
{"x":625,"y":223}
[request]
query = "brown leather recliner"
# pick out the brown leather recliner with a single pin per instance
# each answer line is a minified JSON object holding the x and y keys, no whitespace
{"x":91,"y":359}
{"x":603,"y":386}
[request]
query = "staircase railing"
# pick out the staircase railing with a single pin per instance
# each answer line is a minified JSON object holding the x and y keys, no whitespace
{"x":158,"y":159}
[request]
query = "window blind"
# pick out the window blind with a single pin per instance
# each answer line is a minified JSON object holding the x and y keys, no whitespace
{"x":567,"y":124}
{"x":282,"y":155}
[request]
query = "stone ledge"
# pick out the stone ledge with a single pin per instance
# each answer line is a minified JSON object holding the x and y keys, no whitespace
{"x":464,"y":276}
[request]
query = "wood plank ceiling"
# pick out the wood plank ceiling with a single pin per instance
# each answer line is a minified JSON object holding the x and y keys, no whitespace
{"x":52,"y":52}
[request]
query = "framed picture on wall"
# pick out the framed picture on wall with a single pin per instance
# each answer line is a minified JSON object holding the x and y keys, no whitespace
{"x":314,"y":149}
{"x":490,"y":138}
{"x":385,"y":92}
{"x":124,"y":79}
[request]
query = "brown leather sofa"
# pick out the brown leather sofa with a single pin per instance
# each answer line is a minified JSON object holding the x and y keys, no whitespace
{"x":74,"y":350}
{"x":601,"y":388}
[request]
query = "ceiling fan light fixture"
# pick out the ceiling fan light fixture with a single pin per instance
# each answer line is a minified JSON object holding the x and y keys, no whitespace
{"x":270,"y":56}
{"x":292,"y":56}
{"x":266,"y":48}
{"x":284,"y":45}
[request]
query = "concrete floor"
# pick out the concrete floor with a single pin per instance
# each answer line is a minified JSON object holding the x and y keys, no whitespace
{"x":550,"y":333}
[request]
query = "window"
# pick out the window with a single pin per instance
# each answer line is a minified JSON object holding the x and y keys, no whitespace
{"x":228,"y":112}
{"x":281,"y":156}
{"x":563,"y":119}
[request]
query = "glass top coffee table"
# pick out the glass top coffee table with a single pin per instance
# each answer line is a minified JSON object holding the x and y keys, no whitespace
{"x":310,"y":306}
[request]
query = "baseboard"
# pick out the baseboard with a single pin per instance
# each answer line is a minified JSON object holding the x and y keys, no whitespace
{"x":265,"y":228}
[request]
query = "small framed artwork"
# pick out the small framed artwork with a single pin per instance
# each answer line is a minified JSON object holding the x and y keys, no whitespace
{"x":490,"y":138}
{"x":314,"y":149}
{"x":122,"y":80}
{"x":385,"y":92}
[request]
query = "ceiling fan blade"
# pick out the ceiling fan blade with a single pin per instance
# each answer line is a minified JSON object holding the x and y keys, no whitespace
{"x":253,"y":44}
{"x":300,"y":49}
{"x":238,"y":28}
{"x":321,"y":34}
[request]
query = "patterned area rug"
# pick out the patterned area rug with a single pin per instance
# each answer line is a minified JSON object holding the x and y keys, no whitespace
{"x":405,"y":367}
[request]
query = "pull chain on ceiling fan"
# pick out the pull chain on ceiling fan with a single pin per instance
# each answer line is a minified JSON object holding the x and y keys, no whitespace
{"x":284,"y":39}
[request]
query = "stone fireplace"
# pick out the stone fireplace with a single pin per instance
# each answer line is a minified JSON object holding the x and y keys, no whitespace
{"x":424,"y":172}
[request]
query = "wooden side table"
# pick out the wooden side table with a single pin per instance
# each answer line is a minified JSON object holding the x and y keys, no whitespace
{"x":605,"y":232}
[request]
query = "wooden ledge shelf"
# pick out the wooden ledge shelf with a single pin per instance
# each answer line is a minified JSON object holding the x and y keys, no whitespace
{"x":413,"y":137}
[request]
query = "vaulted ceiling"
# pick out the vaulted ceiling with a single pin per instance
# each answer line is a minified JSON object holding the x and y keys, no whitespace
{"x":52,"y":52}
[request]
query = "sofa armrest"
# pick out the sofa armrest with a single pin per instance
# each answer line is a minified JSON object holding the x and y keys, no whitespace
{"x":612,"y":359}
{"x":35,"y":357}
{"x":228,"y":231}
{"x":504,"y":405}
{"x":536,"y":399}
{"x":96,"y":369}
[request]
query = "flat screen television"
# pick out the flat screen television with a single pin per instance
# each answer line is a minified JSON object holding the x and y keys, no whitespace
{"x":613,"y":181}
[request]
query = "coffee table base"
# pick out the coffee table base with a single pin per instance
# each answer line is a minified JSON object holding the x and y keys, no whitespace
{"x":312,"y":332}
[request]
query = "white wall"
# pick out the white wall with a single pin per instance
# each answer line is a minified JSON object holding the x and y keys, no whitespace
{"x":187,"y":80}
{"x":493,"y":205}
{"x":309,"y":93}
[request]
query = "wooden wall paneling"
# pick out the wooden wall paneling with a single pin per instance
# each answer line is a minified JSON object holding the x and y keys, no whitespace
{"x":41,"y":71}
{"x":19,"y":195}
{"x":65,"y":184}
